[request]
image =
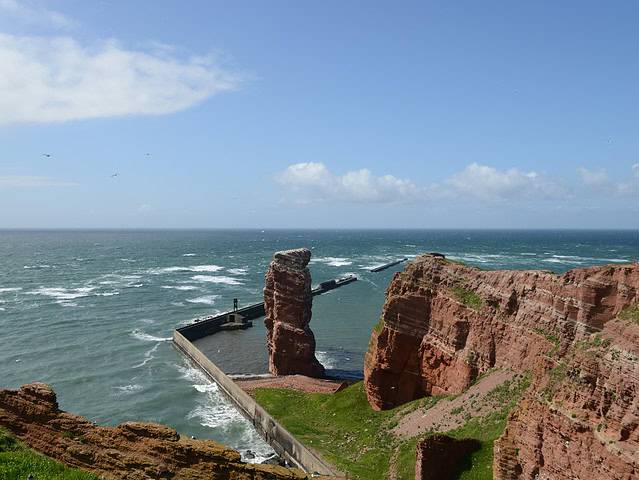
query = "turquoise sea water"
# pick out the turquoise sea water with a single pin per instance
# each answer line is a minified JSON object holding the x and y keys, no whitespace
{"x":92,"y":312}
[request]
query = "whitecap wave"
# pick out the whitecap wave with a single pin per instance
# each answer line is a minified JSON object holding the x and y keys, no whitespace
{"x":333,"y":261}
{"x":145,"y":337}
{"x":189,"y":255}
{"x":182,"y":288}
{"x":217,"y":279}
{"x":237,"y":271}
{"x":191,"y":268}
{"x":326,"y":359}
{"x":31,"y":267}
{"x":10,"y":289}
{"x":107,"y":294}
{"x":148,"y":356}
{"x":129,"y":388}
{"x":60,"y":293}
{"x":206,"y":300}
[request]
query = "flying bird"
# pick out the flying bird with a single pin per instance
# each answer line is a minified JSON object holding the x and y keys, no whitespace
{"x":115,"y":175}
{"x":48,"y":155}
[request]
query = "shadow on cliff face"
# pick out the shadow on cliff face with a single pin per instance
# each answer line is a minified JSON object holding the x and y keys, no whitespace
{"x":444,"y":458}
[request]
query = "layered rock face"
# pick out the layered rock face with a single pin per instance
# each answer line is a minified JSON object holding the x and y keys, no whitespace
{"x":440,"y":457}
{"x":581,"y":418}
{"x":288,"y":302}
{"x":444,"y":323}
{"x":130,"y":450}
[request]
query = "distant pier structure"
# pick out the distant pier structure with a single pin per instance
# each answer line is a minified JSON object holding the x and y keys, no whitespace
{"x":388,"y":265}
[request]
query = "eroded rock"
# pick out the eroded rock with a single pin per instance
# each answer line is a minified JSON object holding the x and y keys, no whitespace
{"x":132,"y":450}
{"x":288,"y":303}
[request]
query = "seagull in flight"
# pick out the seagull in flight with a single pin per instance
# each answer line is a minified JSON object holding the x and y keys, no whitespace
{"x":48,"y":155}
{"x":115,"y":175}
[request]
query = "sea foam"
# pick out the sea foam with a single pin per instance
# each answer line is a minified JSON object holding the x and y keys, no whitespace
{"x":217,"y":279}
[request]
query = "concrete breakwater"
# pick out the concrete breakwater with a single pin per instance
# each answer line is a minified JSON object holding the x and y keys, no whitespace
{"x":282,"y":441}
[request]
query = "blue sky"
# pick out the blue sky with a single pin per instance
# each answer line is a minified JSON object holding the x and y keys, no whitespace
{"x":319,"y":114}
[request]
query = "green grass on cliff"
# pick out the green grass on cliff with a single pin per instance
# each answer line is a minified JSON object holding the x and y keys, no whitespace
{"x":342,"y":427}
{"x":348,"y":433}
{"x":18,"y":461}
{"x":631,"y":313}
{"x":468,"y":297}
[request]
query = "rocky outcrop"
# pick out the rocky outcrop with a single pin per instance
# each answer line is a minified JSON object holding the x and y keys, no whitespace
{"x":288,"y":302}
{"x":581,"y":418}
{"x":445,"y":323}
{"x":131,"y":450}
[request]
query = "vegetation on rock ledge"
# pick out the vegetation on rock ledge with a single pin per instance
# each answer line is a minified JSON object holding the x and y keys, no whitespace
{"x":17,"y":461}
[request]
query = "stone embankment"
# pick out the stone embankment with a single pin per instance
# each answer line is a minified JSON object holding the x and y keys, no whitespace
{"x":288,"y":302}
{"x":131,"y":450}
{"x":444,"y":324}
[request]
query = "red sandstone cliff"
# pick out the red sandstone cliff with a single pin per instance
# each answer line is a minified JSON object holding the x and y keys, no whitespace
{"x":129,"y":451}
{"x":288,"y":302}
{"x":581,"y":418}
{"x":443,"y":324}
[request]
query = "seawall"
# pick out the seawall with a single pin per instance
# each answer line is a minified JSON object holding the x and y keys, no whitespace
{"x":282,"y":441}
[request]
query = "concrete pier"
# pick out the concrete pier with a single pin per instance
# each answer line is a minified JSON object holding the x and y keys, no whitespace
{"x":388,"y":265}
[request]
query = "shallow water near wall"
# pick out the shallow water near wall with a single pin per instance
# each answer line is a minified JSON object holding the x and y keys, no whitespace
{"x":92,"y":312}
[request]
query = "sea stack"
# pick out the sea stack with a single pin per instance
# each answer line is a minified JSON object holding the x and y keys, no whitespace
{"x":288,"y":303}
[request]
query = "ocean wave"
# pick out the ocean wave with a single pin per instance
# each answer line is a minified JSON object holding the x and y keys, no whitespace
{"x":206,"y":300}
{"x":182,"y":288}
{"x":129,"y":388}
{"x":326,"y":359}
{"x":67,"y":303}
{"x":10,"y":289}
{"x":237,"y":271}
{"x":333,"y":261}
{"x":107,"y":294}
{"x":145,"y":337}
{"x":31,"y":267}
{"x":62,"y":293}
{"x":148,"y":356}
{"x":128,"y":260}
{"x":189,"y":254}
{"x":217,"y":279}
{"x":192,"y":268}
{"x":2,"y":309}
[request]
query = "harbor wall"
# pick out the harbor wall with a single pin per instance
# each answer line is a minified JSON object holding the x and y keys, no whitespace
{"x":282,"y":441}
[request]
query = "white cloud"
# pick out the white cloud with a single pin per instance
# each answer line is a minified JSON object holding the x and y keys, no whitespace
{"x":34,"y":13}
{"x":316,"y":181}
{"x":599,"y":181}
{"x":484,"y":182}
{"x":56,"y":79}
{"x":18,"y":181}
{"x":595,"y":179}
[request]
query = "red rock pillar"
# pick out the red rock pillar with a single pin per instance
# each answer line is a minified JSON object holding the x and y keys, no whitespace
{"x":288,"y":302}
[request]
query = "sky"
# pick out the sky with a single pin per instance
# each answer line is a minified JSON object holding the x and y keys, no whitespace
{"x":331,"y":114}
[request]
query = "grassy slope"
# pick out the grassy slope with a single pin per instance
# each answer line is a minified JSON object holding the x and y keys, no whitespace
{"x":348,"y":433}
{"x":18,"y":461}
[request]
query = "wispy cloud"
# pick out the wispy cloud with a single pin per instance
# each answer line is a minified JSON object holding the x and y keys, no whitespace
{"x":20,"y":181}
{"x":599,"y":181}
{"x":34,"y":13}
{"x":58,"y":79}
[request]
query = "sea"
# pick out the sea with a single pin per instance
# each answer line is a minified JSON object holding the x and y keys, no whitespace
{"x":92,"y":312}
